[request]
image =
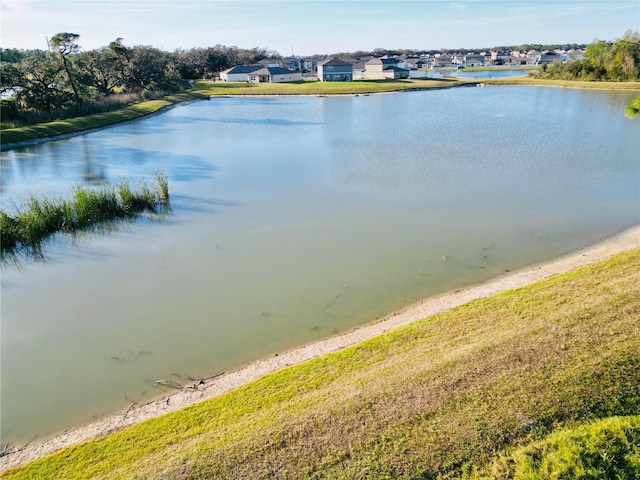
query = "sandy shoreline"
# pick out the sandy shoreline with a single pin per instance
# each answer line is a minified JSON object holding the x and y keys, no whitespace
{"x":216,"y":386}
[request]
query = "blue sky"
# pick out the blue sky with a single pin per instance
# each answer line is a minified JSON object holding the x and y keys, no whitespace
{"x":320,"y":26}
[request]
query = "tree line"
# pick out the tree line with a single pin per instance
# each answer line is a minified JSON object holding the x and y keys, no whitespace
{"x":38,"y":85}
{"x":604,"y":61}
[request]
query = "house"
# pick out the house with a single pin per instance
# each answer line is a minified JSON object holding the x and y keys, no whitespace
{"x":335,"y":70}
{"x":540,"y":58}
{"x":573,"y":55}
{"x":381,"y":68}
{"x":308,"y":65}
{"x":548,"y":57}
{"x":358,"y":70}
{"x":533,"y":56}
{"x":499,"y":57}
{"x":517,"y":61}
{"x":259,"y":73}
{"x":442,"y":61}
{"x":238,"y":73}
{"x":412,"y":62}
{"x":270,"y":62}
{"x":291,"y":63}
{"x":273,"y":75}
{"x":472,"y":60}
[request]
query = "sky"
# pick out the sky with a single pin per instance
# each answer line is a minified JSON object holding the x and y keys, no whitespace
{"x":304,"y":27}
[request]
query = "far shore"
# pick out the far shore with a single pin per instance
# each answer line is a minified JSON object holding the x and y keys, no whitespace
{"x":218,"y":385}
{"x":28,"y":135}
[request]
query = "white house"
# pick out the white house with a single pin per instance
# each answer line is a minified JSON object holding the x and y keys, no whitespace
{"x":472,"y":60}
{"x":238,"y":73}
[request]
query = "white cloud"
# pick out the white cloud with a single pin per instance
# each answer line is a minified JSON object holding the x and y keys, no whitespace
{"x":459,"y":7}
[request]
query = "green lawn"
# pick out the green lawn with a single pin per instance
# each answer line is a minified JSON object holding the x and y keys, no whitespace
{"x":608,"y":448}
{"x":97,"y":120}
{"x":450,"y":396}
{"x":563,"y":83}
{"x":357,"y":87}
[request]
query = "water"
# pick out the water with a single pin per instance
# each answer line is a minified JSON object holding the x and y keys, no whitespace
{"x":293,"y":219}
{"x":469,"y":75}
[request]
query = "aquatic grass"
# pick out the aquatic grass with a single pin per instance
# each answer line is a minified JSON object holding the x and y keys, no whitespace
{"x":9,"y":231}
{"x":39,"y":218}
{"x":162,"y":179}
{"x":436,"y":399}
{"x":92,"y":206}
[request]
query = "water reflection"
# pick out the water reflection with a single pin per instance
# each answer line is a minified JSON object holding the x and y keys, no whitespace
{"x":266,"y":121}
{"x":94,"y":172}
{"x":52,"y":169}
{"x":469,"y":75}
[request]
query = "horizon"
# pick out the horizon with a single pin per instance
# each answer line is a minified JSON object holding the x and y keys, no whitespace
{"x":305,"y":28}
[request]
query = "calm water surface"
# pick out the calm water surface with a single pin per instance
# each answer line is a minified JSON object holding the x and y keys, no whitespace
{"x":294,"y":219}
{"x":463,"y":73}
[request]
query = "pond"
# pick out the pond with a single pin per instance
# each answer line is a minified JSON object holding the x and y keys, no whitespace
{"x":469,"y":75}
{"x":293,"y":218}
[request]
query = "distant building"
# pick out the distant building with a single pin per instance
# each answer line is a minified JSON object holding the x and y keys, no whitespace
{"x":573,"y":55}
{"x":381,"y":68}
{"x":273,"y":75}
{"x":472,"y":60}
{"x":500,"y":57}
{"x":238,"y":73}
{"x":443,"y":61}
{"x":335,"y":70}
{"x":259,"y":74}
{"x":548,"y":57}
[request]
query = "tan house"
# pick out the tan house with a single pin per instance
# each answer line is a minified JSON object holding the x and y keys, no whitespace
{"x":381,"y":68}
{"x":273,"y":75}
{"x":443,"y":61}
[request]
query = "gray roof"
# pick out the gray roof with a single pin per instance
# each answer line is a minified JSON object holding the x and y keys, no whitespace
{"x":272,"y":71}
{"x":244,"y":69}
{"x":395,"y":69}
{"x":383,"y":61}
{"x":334,"y":61}
{"x":278,"y":70}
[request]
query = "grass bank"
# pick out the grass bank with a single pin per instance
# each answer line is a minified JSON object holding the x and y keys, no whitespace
{"x":563,"y":83}
{"x":357,"y":87}
{"x":10,"y":136}
{"x":608,"y":448}
{"x":39,"y":218}
{"x":441,"y":398}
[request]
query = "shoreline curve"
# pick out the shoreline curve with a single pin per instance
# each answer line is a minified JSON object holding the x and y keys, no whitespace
{"x":219,"y":384}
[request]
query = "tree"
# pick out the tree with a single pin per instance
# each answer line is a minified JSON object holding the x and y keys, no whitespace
{"x":66,"y":45}
{"x":633,"y":110}
{"x":626,"y":55}
{"x":101,"y":69}
{"x":150,"y":69}
{"x":36,"y":83}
